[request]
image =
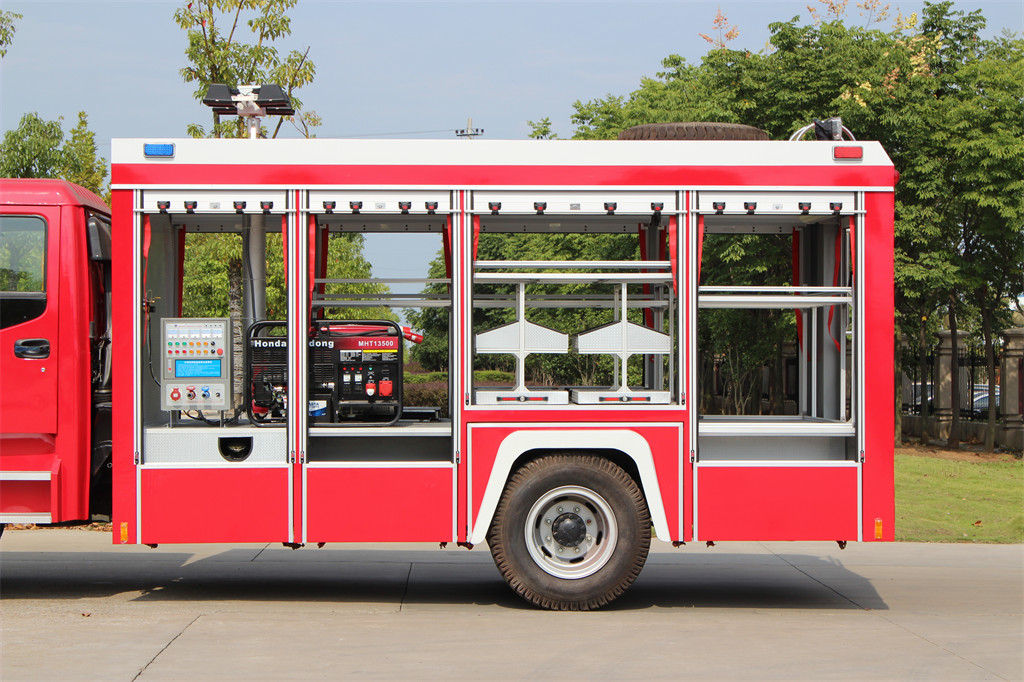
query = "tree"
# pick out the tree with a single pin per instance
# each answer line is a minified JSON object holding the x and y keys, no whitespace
{"x":944,"y":103}
{"x":37,"y":149}
{"x":981,"y":143}
{"x":7,"y":21}
{"x":83,"y":166}
{"x":211,"y":257}
{"x":216,"y":53}
{"x":220,"y":56}
{"x":541,"y":130}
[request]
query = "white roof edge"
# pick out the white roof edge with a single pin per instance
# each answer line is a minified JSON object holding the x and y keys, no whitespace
{"x":495,"y":152}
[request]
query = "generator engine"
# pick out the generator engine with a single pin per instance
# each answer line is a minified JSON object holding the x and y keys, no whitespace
{"x":355,"y":372}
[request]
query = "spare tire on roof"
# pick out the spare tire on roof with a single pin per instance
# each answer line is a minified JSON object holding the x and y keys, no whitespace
{"x":693,"y":131}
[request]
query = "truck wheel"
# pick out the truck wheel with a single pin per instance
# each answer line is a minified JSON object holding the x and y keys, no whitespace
{"x":571,"y":532}
{"x":693,"y":131}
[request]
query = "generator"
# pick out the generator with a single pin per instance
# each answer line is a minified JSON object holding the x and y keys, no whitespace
{"x":355,"y":372}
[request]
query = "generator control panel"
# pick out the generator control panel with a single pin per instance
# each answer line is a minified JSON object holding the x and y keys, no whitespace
{"x":195,"y":369}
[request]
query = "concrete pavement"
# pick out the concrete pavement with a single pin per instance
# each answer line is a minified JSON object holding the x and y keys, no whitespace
{"x":75,"y":607}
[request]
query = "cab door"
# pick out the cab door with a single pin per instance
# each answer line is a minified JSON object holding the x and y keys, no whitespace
{"x":29,"y":270}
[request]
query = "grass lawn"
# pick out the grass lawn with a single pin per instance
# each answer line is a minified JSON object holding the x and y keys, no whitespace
{"x":958,"y":497}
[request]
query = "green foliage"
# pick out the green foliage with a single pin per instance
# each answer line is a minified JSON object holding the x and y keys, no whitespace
{"x":7,"y":21}
{"x":37,"y":149}
{"x":947,"y":105}
{"x":433,"y":352}
{"x":724,"y":336}
{"x":33,"y":149}
{"x":208,"y":259}
{"x":211,"y":257}
{"x":345,"y":260}
{"x":431,"y":394}
{"x":479,"y":376}
{"x":493,"y":376}
{"x":425,"y":378}
{"x":541,"y":130}
{"x":83,"y":166}
{"x":216,"y":54}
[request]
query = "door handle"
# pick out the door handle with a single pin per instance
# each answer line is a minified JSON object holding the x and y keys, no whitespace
{"x":32,"y":349}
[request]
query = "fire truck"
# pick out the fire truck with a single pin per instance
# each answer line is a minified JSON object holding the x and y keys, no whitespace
{"x":300,"y":429}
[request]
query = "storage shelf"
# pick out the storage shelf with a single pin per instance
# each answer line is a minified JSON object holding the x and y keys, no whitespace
{"x":572,"y":277}
{"x":773,"y":297}
{"x":401,"y":428}
{"x":572,"y":264}
{"x":773,"y":426}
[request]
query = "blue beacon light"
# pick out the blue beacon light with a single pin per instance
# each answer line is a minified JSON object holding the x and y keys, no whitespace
{"x":158,"y":150}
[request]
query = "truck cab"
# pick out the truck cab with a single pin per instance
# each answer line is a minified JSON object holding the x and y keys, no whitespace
{"x":55,"y":406}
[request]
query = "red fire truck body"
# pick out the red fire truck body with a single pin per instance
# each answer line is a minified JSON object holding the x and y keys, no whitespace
{"x":563,"y":481}
{"x":54,"y":263}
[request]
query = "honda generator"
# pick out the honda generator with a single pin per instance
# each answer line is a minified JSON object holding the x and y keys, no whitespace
{"x":355,"y":372}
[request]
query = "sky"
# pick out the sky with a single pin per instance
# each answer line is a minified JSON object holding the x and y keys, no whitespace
{"x":394,"y":69}
{"x":383,"y":68}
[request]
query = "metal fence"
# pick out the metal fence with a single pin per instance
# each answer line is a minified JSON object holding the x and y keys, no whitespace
{"x":919,"y":391}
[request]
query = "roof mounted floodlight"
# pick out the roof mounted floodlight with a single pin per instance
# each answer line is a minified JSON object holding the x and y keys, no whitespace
{"x":272,"y":98}
{"x":249,"y":101}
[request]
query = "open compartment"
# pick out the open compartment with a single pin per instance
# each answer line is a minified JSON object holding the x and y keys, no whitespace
{"x":366,"y":410}
{"x":776,"y":328}
{"x":211,"y":264}
{"x":591,"y":320}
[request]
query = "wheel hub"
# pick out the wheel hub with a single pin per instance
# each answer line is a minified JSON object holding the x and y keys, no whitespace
{"x":569,"y":530}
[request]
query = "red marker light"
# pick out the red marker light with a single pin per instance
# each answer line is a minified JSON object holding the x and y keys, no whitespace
{"x":847,"y":152}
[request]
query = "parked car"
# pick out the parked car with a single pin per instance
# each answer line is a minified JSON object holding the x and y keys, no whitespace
{"x":978,"y":409}
{"x":914,"y":395}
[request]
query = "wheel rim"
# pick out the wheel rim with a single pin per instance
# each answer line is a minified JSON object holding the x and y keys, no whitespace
{"x":571,"y":532}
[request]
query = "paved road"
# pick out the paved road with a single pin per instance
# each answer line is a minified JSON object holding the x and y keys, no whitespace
{"x":75,"y":607}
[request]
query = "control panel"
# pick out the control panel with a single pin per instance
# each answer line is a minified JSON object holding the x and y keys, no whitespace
{"x":195,"y":370}
{"x":367,"y":369}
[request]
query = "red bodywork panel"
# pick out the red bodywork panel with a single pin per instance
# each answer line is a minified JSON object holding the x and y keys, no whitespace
{"x":124,"y":483}
{"x":45,"y":404}
{"x":879,"y":494}
{"x":777,"y":503}
{"x":663,"y":441}
{"x":380,"y":504}
{"x":503,"y":176}
{"x":214,"y":505}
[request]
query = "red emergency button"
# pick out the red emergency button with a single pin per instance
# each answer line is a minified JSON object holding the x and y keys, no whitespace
{"x":220,"y":351}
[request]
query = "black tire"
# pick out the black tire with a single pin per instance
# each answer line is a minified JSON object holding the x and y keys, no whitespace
{"x":574,"y":494}
{"x":693,"y":131}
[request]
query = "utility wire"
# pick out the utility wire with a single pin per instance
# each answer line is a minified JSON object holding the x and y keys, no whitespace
{"x":410,"y":132}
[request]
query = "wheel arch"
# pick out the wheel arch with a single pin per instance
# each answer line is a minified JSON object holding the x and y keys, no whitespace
{"x":628,"y":449}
